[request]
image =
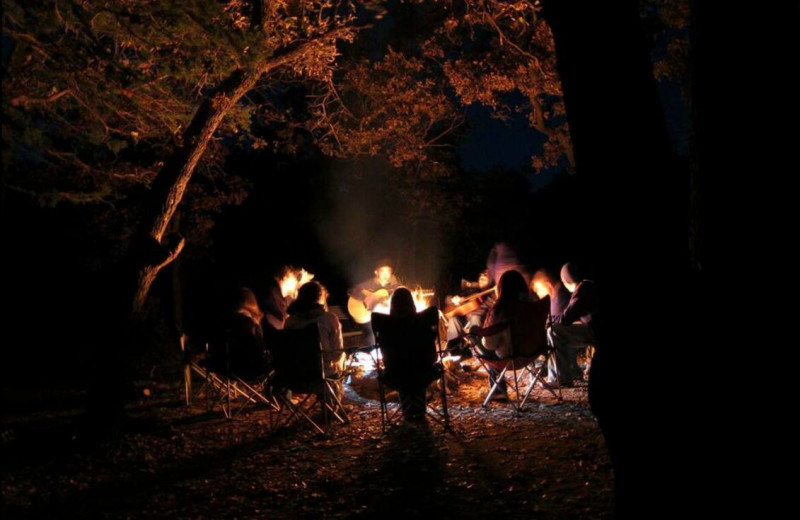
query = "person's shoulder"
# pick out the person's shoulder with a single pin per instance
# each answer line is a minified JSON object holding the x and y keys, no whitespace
{"x":431,"y":313}
{"x":330,"y":317}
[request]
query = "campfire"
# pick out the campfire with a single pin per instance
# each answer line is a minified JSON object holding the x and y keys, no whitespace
{"x":364,"y":362}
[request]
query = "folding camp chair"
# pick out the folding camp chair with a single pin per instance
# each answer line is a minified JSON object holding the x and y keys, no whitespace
{"x":410,"y":361}
{"x":232,"y":393}
{"x":299,"y":367}
{"x":527,"y":324}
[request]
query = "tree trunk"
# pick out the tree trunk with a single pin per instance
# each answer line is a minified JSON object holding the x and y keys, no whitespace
{"x":171,"y":182}
{"x":151,"y":252}
{"x":126,"y":285}
{"x":635,"y":232}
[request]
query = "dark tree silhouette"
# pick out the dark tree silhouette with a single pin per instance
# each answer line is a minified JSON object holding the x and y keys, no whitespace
{"x":636,"y":229}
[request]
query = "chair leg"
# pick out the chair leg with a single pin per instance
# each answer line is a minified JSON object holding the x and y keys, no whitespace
{"x":443,"y":383}
{"x":382,"y":398}
{"x":297,"y":410}
{"x":516,"y":404}
{"x":187,"y":384}
{"x":495,"y":385}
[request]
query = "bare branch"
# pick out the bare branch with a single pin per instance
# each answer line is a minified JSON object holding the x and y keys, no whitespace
{"x":26,"y":101}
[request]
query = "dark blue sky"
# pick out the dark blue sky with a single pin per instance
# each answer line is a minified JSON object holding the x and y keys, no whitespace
{"x":490,"y":143}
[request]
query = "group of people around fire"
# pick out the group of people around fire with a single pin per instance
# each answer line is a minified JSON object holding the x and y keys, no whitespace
{"x":294,"y":300}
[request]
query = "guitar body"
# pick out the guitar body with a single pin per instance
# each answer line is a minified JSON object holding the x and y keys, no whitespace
{"x":463,"y":309}
{"x":360,"y":312}
{"x":468,"y":304}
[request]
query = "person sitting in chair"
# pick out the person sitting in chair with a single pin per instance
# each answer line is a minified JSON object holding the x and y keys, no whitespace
{"x":474,"y":310}
{"x":573,"y":328}
{"x":311,"y":307}
{"x":511,"y":288}
{"x":243,"y":352}
{"x":408,"y":349}
{"x":373,"y":293}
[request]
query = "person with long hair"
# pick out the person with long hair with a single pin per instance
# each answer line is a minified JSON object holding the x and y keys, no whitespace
{"x":511,"y":288}
{"x":409,"y":363}
{"x":243,"y":351}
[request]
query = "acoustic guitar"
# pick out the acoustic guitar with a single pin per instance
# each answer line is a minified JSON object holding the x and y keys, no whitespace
{"x":360,"y":312}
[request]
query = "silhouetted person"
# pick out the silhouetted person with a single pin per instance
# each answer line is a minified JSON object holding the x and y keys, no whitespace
{"x":408,"y":354}
{"x":572,"y":329}
{"x":310,"y":307}
{"x":511,"y":288}
{"x":241,"y":351}
{"x":502,"y":257}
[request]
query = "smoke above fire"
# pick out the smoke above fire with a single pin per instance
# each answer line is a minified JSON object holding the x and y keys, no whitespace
{"x":367,"y":220}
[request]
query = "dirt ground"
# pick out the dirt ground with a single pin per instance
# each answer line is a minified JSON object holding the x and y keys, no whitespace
{"x":175,"y":461}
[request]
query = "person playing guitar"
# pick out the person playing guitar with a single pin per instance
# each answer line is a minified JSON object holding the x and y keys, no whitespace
{"x":465,"y":312}
{"x":372,"y":294}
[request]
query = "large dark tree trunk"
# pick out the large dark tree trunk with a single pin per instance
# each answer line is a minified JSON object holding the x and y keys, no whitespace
{"x":636,"y":234}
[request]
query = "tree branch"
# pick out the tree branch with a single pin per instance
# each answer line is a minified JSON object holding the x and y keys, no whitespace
{"x":27,"y":101}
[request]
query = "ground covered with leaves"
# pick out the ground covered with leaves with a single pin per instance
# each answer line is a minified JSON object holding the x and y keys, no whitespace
{"x":174,"y":461}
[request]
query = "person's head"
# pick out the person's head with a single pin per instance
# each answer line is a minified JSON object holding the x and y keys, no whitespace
{"x":287,"y":280}
{"x":402,"y":303}
{"x":483,"y":280}
{"x":248,"y":303}
{"x":512,"y":285}
{"x":570,"y":276}
{"x":310,"y":295}
{"x":384,"y":271}
{"x":542,"y":283}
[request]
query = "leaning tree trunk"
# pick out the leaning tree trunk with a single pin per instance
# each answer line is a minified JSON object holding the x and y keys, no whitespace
{"x":129,"y":283}
{"x":173,"y":179}
{"x":152,"y":251}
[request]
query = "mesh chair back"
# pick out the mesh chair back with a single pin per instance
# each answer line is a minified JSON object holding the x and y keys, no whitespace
{"x":528,"y":321}
{"x":297,"y":358}
{"x":408,"y":347}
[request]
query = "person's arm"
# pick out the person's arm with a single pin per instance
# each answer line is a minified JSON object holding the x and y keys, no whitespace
{"x":357,"y":291}
{"x":580,"y":304}
{"x":274,"y":308}
{"x":493,"y":341}
{"x":337,"y":356}
{"x":336,"y":333}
